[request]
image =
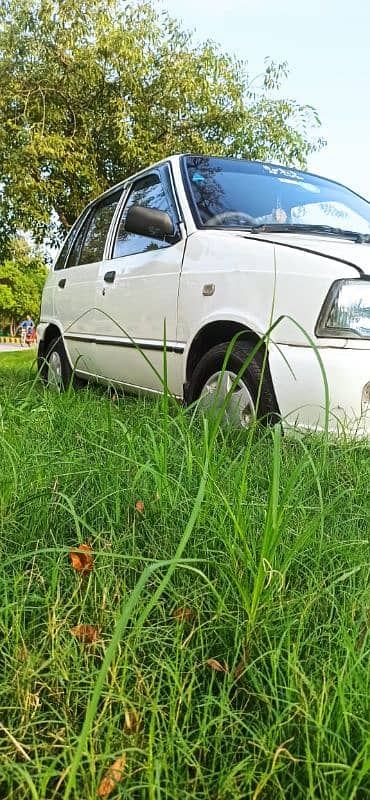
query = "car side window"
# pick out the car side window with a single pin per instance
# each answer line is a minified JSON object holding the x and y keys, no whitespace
{"x":60,"y":262}
{"x":74,"y":253}
{"x":148,"y":192}
{"x":88,"y":246}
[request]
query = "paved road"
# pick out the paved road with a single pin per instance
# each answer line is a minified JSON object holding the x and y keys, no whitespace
{"x":8,"y":347}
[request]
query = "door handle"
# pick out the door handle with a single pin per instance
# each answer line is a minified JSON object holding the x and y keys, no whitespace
{"x":62,"y":283}
{"x":110,"y":276}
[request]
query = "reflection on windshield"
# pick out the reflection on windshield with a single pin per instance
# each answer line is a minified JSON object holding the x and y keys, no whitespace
{"x":233,"y":193}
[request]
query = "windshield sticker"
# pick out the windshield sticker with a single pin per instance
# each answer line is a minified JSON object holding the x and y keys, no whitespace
{"x":308,"y":187}
{"x":288,"y":173}
{"x":198,"y":177}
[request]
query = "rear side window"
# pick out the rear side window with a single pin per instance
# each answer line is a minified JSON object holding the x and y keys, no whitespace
{"x":88,"y":246}
{"x":73,"y":257}
{"x":60,"y":262}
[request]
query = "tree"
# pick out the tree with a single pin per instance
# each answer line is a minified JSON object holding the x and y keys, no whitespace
{"x":92,"y":92}
{"x":22,"y":277}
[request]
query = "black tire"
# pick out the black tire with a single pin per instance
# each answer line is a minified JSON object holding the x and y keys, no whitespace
{"x":67,"y":375}
{"x":256,"y":377}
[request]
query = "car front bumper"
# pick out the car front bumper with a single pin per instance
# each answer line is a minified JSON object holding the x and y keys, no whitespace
{"x":300,"y":387}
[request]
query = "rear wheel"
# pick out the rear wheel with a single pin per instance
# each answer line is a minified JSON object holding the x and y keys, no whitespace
{"x":250,"y":396}
{"x":55,"y":370}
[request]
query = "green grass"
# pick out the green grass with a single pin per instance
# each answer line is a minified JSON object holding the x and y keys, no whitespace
{"x":265,"y":538}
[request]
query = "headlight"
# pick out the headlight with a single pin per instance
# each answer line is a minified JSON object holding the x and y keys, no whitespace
{"x":346,"y":311}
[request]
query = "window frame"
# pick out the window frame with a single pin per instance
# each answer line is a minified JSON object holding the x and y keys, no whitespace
{"x":163,"y":169}
{"x":164,"y":173}
{"x":87,"y":222}
{"x":70,"y":239}
{"x":80,"y":222}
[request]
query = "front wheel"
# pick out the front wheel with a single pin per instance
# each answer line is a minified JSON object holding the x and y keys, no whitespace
{"x":249,"y":397}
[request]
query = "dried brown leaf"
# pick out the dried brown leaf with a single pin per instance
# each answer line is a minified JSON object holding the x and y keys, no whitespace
{"x":183,"y":614}
{"x":81,"y":558}
{"x":85,"y":633}
{"x":139,"y":506}
{"x":131,"y":722}
{"x":216,"y":665}
{"x":113,"y":776}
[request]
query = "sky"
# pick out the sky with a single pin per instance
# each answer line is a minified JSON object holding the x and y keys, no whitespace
{"x":326,"y":45}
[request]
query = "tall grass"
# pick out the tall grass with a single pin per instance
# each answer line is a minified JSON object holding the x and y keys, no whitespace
{"x":261,"y":540}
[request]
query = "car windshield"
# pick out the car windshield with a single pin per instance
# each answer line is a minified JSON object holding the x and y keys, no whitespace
{"x":232,"y":193}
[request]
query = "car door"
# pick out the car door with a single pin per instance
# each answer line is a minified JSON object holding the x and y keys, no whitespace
{"x":76,"y":277}
{"x":137,"y":295}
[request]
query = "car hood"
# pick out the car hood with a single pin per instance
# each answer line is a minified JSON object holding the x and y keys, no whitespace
{"x":352,"y":253}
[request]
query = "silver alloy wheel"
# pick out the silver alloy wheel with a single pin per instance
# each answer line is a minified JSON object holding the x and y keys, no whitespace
{"x":55,"y":370}
{"x":240,"y":410}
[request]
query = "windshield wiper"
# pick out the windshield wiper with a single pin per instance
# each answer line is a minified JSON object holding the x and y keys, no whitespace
{"x":325,"y":230}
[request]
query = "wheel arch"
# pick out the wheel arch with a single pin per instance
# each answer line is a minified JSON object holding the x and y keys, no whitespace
{"x":51,"y":332}
{"x":217,"y":332}
{"x":214,"y":333}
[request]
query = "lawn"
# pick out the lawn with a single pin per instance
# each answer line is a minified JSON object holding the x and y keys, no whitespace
{"x":227,"y":595}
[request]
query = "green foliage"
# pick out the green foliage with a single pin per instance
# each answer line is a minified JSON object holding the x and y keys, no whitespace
{"x":22,"y":277}
{"x":91,"y":93}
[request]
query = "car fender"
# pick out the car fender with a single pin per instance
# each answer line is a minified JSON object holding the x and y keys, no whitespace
{"x":42,"y":335}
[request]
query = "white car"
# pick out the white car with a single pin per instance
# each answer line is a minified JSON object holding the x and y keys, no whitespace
{"x":197,"y":252}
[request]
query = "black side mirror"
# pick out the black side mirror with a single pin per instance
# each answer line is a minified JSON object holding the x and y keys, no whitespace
{"x":149,"y":222}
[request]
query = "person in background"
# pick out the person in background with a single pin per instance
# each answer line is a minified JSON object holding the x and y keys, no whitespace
{"x":27,"y":329}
